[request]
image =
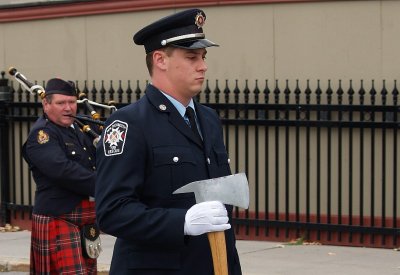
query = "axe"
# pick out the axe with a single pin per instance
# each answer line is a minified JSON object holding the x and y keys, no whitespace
{"x":233,"y":190}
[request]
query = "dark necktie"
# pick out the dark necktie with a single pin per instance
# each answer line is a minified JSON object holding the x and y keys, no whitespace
{"x":190,"y":115}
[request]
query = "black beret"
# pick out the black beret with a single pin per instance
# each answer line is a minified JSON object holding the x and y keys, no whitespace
{"x":182,"y":30}
{"x":59,"y":86}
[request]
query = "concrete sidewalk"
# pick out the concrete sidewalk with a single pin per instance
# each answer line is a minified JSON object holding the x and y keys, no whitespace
{"x":257,"y":258}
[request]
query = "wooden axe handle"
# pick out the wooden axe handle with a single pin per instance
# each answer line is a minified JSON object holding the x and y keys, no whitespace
{"x":218,"y":251}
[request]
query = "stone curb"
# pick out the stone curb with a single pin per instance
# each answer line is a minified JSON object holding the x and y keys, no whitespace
{"x":22,"y":265}
{"x":12,"y":264}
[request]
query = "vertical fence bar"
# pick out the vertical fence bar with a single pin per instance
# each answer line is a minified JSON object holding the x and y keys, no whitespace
{"x":226,"y":113}
{"x":277,"y":95}
{"x":102,"y":93}
{"x":111,"y":92}
{"x":20,"y":160}
{"x":308,"y":157}
{"x":350,"y":94}
{"x":266,"y":93}
{"x":236,"y":93}
{"x":207,"y":91}
{"x":383,"y":213}
{"x":129,"y":91}
{"x":329,"y":93}
{"x":318,"y":93}
{"x":256,"y":93}
{"x":340,"y":160}
{"x":29,"y":112}
{"x":361,"y":93}
{"x":94,"y":91}
{"x":372,"y":211}
{"x":14,"y":111}
{"x":120,"y":91}
{"x":5,"y":98}
{"x":297,"y":93}
{"x":395,"y":94}
{"x":286,"y":92}
{"x":246,"y":93}
{"x":217,"y":93}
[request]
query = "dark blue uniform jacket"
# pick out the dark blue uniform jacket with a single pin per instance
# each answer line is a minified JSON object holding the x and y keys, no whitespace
{"x":156,"y":154}
{"x":63,"y":166}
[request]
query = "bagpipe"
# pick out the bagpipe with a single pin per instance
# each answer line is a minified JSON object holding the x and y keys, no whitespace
{"x":81,"y":120}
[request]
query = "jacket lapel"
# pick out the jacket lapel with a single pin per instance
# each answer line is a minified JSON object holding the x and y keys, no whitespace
{"x":80,"y":134}
{"x":206,"y":130}
{"x":162,"y":104}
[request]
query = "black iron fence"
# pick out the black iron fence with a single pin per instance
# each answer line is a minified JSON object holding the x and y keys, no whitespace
{"x":321,"y":162}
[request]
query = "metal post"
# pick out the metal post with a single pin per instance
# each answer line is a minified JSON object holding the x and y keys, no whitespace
{"x":5,"y":97}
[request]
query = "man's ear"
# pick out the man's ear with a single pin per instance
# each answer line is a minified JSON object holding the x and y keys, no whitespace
{"x":160,"y":60}
{"x":45,"y":103}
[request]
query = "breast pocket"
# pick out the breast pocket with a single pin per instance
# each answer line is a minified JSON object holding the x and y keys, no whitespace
{"x":173,"y":165}
{"x":222,"y":157}
{"x":173,"y":156}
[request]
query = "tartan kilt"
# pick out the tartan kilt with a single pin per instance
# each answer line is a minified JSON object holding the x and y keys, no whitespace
{"x":56,"y":243}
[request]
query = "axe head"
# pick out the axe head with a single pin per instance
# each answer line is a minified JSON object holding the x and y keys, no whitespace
{"x":232,"y":189}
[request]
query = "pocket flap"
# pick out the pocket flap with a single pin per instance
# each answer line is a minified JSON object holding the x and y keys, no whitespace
{"x":222,"y":157}
{"x":172,"y":155}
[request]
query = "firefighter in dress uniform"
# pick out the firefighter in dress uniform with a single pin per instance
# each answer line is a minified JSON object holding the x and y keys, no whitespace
{"x":155,"y":146}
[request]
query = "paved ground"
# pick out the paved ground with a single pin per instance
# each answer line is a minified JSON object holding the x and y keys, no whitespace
{"x":257,"y":258}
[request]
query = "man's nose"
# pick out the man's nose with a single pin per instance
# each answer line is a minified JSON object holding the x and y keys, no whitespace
{"x":68,"y":106}
{"x":203,"y":66}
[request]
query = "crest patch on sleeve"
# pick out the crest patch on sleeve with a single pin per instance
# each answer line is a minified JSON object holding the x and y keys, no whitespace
{"x":42,"y":137}
{"x":114,"y":138}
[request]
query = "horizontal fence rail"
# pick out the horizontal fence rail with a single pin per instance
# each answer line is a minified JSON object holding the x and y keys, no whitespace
{"x":321,"y":161}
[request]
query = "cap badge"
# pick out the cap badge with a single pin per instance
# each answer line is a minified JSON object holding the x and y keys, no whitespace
{"x":199,"y":20}
{"x":162,"y":107}
{"x":42,"y":137}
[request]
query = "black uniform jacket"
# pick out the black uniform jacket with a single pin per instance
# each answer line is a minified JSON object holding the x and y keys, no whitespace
{"x":156,"y":154}
{"x":62,"y":161}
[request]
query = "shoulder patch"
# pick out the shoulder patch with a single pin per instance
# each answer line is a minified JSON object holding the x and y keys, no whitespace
{"x":114,"y":138}
{"x":42,"y":137}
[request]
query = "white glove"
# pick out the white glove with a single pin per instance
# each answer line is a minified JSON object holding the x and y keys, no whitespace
{"x":206,"y":217}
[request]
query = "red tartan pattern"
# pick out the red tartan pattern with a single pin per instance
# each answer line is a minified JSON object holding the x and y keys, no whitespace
{"x":56,"y":243}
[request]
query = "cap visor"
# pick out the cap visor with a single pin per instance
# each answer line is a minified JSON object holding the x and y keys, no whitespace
{"x":196,"y":44}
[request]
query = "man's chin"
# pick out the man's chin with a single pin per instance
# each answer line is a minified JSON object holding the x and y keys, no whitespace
{"x":66,"y":123}
{"x":196,"y":90}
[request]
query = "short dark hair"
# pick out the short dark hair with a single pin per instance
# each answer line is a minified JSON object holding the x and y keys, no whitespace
{"x":49,"y":98}
{"x":149,"y":57}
